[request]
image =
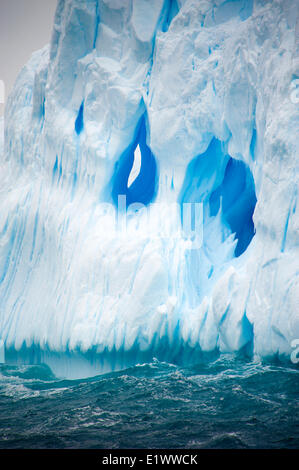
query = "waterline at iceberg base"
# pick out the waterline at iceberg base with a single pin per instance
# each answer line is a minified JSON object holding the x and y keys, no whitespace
{"x":169,"y":102}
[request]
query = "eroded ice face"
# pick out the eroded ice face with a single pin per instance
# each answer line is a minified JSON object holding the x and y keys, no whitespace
{"x":163,"y":102}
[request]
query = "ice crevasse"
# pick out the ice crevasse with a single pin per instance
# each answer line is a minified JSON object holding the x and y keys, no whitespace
{"x":171,"y":103}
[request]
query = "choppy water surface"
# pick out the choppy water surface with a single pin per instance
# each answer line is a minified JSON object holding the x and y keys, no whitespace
{"x":228,"y":403}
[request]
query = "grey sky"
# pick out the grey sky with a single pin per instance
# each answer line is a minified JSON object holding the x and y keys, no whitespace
{"x":25,"y":26}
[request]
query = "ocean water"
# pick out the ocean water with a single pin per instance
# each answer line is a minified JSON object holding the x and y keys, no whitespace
{"x":227,"y":403}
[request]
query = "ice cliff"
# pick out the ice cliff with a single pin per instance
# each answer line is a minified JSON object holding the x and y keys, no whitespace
{"x":166,"y":102}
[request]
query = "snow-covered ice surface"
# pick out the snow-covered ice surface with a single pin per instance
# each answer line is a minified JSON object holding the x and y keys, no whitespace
{"x":203,"y":90}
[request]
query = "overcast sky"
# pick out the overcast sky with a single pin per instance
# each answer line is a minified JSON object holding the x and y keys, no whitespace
{"x":25,"y":26}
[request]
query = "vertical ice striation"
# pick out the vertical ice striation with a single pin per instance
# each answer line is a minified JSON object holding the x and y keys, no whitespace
{"x":169,"y":103}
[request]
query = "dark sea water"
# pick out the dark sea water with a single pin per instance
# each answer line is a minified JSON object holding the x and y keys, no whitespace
{"x":228,"y":403}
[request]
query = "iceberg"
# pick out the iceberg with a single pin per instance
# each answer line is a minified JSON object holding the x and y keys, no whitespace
{"x":149,"y":186}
